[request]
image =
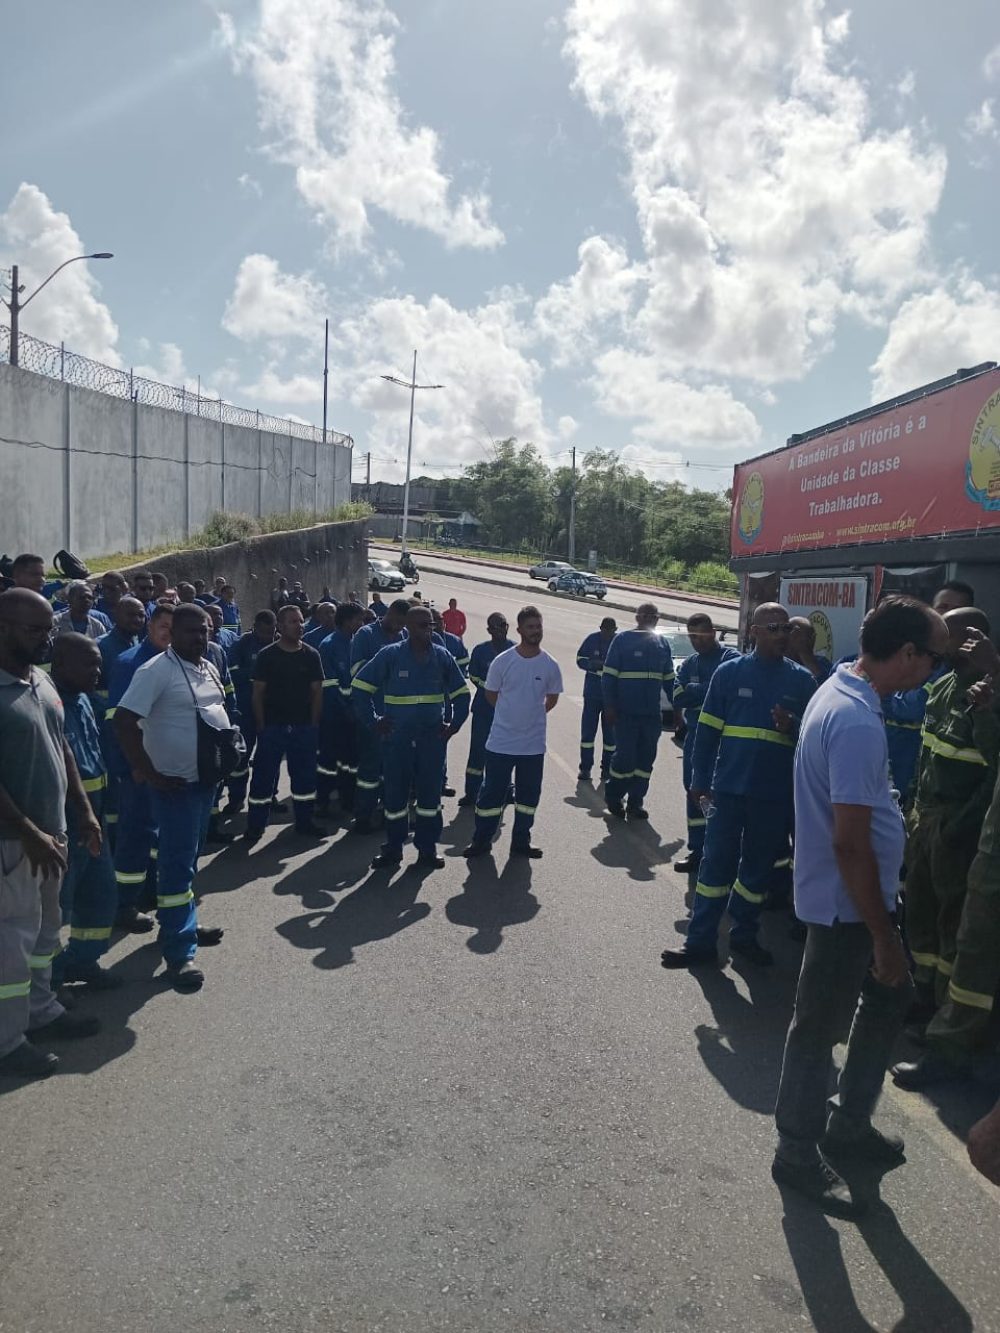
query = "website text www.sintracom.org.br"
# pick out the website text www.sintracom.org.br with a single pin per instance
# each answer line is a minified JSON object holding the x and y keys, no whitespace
{"x":865,"y":529}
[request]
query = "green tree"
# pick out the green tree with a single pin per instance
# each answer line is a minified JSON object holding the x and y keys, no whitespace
{"x":510,"y":494}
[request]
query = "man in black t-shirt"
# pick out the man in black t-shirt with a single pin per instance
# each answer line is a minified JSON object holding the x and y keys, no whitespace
{"x":287,"y":702}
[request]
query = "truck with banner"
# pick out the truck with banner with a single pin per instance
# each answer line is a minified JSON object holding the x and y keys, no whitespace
{"x":898,"y":497}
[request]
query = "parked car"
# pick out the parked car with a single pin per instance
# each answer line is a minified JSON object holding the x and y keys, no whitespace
{"x":548,"y":569}
{"x":384,"y":577}
{"x":579,"y":584}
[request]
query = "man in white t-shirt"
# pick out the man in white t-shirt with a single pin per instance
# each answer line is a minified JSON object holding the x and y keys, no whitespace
{"x":158,"y":732}
{"x":523,"y":685}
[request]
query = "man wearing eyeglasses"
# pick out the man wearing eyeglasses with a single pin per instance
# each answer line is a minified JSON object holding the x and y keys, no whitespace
{"x":742,"y":777}
{"x":855,"y":975}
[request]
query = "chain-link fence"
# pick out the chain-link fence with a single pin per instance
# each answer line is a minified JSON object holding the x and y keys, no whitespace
{"x":59,"y":364}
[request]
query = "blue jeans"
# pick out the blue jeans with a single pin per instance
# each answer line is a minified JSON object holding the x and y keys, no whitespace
{"x":298,"y":746}
{"x":526,"y":770}
{"x":636,"y":737}
{"x":743,"y":839}
{"x":593,"y":714}
{"x":182,"y":817}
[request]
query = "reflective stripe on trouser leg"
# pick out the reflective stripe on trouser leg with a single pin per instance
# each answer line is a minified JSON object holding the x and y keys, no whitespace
{"x":963,"y":1024}
{"x":20,"y":923}
{"x":527,"y":793}
{"x":719,"y":865}
{"x":135,"y":841}
{"x":766,"y":828}
{"x":480,"y":729}
{"x":301,"y":746}
{"x":327,"y":769}
{"x":695,"y":818}
{"x":89,"y":903}
{"x":428,"y":757}
{"x":608,"y":745}
{"x":492,"y":794}
{"x":623,"y":764}
{"x":921,"y":908}
{"x":369,"y":780}
{"x":646,"y":741}
{"x":346,"y":752}
{"x":183,"y":818}
{"x":264,"y":776}
{"x":43,"y":1006}
{"x":589,"y":722}
{"x":240,"y":780}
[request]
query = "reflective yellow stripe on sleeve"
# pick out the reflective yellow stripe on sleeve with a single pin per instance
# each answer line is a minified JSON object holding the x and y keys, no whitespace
{"x":710,"y":720}
{"x":966,"y":755}
{"x":363,"y":685}
{"x":758,"y":734}
{"x":95,"y":784}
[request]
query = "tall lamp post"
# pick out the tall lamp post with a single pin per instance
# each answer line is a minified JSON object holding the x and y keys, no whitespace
{"x":15,"y":305}
{"x":413,"y":386}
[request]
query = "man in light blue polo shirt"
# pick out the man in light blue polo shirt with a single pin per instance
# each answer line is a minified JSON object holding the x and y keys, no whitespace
{"x":849,"y":839}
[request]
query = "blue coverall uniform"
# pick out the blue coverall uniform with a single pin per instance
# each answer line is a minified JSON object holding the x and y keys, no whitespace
{"x":418,"y":696}
{"x":366,"y":643}
{"x":337,"y":768}
{"x":111,"y":646}
{"x":482,"y":714}
{"x":135,"y":842}
{"x":216,"y":654}
{"x":231,"y":616}
{"x":89,"y":894}
{"x":693,"y":677}
{"x":637,"y":667}
{"x":590,"y":659}
{"x":747,"y":765}
{"x":241,"y":658}
{"x":460,"y":653}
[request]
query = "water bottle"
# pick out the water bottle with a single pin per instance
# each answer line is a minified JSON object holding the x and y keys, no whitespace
{"x":707,"y":806}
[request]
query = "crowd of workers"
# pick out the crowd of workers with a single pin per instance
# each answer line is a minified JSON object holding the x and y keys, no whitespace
{"x":137,"y":719}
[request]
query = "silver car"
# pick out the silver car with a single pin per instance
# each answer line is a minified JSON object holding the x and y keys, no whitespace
{"x":548,"y":569}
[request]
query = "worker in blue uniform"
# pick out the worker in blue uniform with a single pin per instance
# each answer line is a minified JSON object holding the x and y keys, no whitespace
{"x":129,"y":627}
{"x":365,"y":644}
{"x":216,"y":652}
{"x":743,"y":752}
{"x":694,"y":676}
{"x":230,"y":609}
{"x":590,"y":659}
{"x":337,"y":766}
{"x":460,"y":653}
{"x":412,"y":696}
{"x":321,"y":623}
{"x":135,"y":842}
{"x":482,"y":710}
{"x":637,"y":668}
{"x":89,"y":894}
{"x":242,"y":658}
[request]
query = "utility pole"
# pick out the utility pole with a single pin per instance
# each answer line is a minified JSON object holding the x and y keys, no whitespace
{"x":413,"y":386}
{"x":368,"y":468}
{"x":571,"y":544}
{"x":326,"y":371}
{"x":15,"y":305}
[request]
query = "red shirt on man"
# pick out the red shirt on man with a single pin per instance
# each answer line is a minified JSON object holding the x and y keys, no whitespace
{"x":454,"y":620}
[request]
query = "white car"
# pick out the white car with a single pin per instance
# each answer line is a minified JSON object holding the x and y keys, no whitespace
{"x":384,"y":577}
{"x":548,"y":569}
{"x":680,"y":647}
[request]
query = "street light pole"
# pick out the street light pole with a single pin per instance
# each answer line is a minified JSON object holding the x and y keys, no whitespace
{"x":15,"y":305}
{"x":571,"y":544}
{"x":413,"y":386}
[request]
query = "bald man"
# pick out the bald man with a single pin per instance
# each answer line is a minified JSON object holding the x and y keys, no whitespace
{"x":742,"y":777}
{"x":39,"y":776}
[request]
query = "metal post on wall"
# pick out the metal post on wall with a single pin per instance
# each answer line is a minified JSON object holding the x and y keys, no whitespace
{"x":260,"y":469}
{"x":67,"y":535}
{"x":187,"y":479}
{"x":135,"y":475}
{"x":223,"y":426}
{"x":291,"y":469}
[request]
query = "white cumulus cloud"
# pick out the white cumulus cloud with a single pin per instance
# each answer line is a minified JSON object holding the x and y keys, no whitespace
{"x":37,"y":237}
{"x":936,"y":333}
{"x":271,"y":304}
{"x":325,"y":74}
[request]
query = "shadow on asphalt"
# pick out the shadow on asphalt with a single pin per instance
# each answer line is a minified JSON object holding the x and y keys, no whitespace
{"x":378,"y":909}
{"x":634,"y":848}
{"x":492,"y":900}
{"x":814,"y":1245}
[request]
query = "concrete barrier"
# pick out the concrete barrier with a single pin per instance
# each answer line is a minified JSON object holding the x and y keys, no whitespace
{"x":333,"y":555}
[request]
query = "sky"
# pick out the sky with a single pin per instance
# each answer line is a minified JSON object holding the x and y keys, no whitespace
{"x":681,"y":231}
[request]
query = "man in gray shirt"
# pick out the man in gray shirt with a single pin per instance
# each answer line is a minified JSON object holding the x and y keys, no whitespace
{"x":38,"y":773}
{"x":849,"y":838}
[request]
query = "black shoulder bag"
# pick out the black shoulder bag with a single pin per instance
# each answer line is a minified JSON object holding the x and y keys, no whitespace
{"x":221,"y":750}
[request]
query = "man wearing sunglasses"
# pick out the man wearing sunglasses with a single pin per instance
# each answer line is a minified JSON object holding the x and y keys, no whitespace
{"x":855,"y":975}
{"x":742,"y":776}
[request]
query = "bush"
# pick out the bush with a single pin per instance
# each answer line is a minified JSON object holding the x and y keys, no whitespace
{"x":710,"y":576}
{"x":673,"y":572}
{"x":224,"y":526}
{"x":227,"y":526}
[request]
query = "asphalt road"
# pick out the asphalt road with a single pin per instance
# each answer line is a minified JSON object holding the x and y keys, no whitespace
{"x":434,"y":568}
{"x":469,"y":1102}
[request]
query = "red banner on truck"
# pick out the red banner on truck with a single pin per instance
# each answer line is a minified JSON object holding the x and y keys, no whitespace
{"x":925,"y":469}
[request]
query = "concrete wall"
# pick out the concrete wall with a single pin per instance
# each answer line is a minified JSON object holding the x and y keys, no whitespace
{"x":331,"y":554}
{"x":98,"y":474}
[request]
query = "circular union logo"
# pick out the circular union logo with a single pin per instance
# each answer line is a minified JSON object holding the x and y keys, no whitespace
{"x":751,"y":516}
{"x":982,"y":472}
{"x":824,"y":633}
